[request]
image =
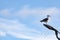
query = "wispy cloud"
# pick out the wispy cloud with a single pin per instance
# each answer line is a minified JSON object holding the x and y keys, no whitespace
{"x":5,"y":12}
{"x":49,"y":37}
{"x":15,"y":28}
{"x":26,"y":11}
{"x":2,"y":33}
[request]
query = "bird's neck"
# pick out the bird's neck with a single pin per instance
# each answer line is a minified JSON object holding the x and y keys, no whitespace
{"x":49,"y":19}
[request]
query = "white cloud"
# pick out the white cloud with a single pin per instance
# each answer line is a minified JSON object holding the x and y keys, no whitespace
{"x":15,"y":28}
{"x":41,"y":37}
{"x":19,"y":35}
{"x":27,"y":11}
{"x":5,"y":12}
{"x":24,"y":12}
{"x":2,"y":33}
{"x":49,"y":37}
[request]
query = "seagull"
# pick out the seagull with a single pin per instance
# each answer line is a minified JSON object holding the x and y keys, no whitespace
{"x":46,"y":19}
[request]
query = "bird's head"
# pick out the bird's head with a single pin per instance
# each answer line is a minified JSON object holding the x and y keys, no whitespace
{"x":48,"y":16}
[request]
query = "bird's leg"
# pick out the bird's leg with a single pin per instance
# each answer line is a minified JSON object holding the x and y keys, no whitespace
{"x":46,"y":22}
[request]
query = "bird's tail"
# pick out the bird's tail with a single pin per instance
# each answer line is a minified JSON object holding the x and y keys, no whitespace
{"x":41,"y":21}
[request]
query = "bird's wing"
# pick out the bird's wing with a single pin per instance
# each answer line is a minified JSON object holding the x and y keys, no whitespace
{"x":44,"y":20}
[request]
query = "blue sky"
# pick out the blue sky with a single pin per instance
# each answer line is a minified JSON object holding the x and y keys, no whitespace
{"x":20,"y":19}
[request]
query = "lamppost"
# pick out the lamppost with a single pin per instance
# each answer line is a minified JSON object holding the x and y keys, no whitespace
{"x":53,"y":29}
